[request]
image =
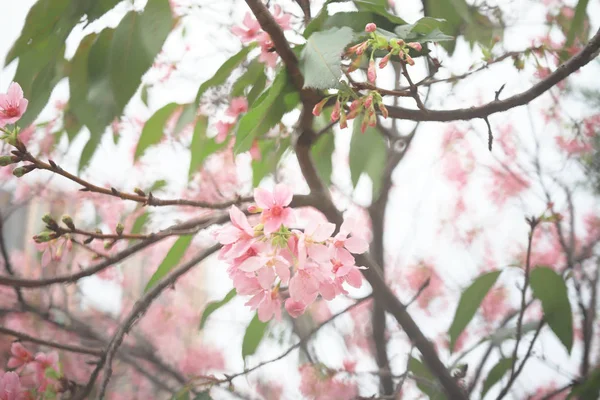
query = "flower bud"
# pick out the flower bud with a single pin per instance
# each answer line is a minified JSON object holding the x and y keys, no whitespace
{"x":254,"y":209}
{"x":400,"y":42}
{"x":372,"y":72}
{"x":119,"y":229}
{"x":415,"y":45}
{"x":48,"y":220}
{"x":68,"y":221}
{"x":370,"y":27}
{"x":383,"y":109}
{"x":318,"y":108}
{"x":20,"y":171}
{"x":8,"y":160}
{"x":139,"y":192}
{"x":343,"y":121}
{"x":368,"y":101}
{"x":409,"y":60}
{"x":108,"y":245}
{"x":361,"y":49}
{"x":44,"y":237}
{"x":384,"y":61}
{"x":335,"y":114}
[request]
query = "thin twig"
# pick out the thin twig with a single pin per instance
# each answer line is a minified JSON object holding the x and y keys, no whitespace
{"x":27,"y":338}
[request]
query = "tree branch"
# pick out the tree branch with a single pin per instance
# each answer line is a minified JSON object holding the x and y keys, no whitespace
{"x":27,"y":338}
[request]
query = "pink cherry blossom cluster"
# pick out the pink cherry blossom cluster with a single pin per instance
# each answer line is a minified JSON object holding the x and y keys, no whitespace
{"x":251,"y":31}
{"x":324,"y":385}
{"x":237,"y":106}
{"x":271,"y":254}
{"x":12,"y":105}
{"x":29,"y":375}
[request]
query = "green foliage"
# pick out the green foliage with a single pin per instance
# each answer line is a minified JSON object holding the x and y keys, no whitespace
{"x":371,"y":162}
{"x":265,"y":113}
{"x":321,"y":61}
{"x":172,"y":258}
{"x":322,"y":152}
{"x":139,"y":37}
{"x":426,"y":29}
{"x":577,"y":24}
{"x":202,"y":146}
{"x":98,"y":8}
{"x":253,"y":336}
{"x":589,"y":389}
{"x":213,"y":306}
{"x":271,"y":153}
{"x":495,"y":374}
{"x":253,"y":77}
{"x":378,"y":7}
{"x":550,"y":288}
{"x":469,"y":302}
{"x":140,"y":222}
{"x":153,"y":130}
{"x":426,"y":381}
{"x":224,"y":71}
{"x":188,"y":113}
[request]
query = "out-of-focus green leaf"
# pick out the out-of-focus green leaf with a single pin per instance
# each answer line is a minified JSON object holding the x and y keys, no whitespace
{"x":153,"y":130}
{"x":188,"y":113}
{"x":426,"y":381}
{"x":367,"y":155}
{"x":550,"y":288}
{"x":253,"y":336}
{"x":357,"y":20}
{"x":98,"y":8}
{"x":224,"y":71}
{"x":469,"y":302}
{"x":378,"y":7}
{"x":577,"y":24}
{"x":173,"y":257}
{"x":202,"y":146}
{"x":495,"y":374}
{"x":138,"y":39}
{"x":248,"y":78}
{"x":140,"y":222}
{"x":271,"y":153}
{"x":213,"y":306}
{"x":589,"y":389}
{"x":321,"y":60}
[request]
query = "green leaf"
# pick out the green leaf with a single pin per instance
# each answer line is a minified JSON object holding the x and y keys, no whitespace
{"x":153,"y":130}
{"x":173,"y":257}
{"x":322,"y":151}
{"x":577,"y":23}
{"x":469,"y":302}
{"x":253,"y":72}
{"x":265,"y":113}
{"x":589,"y":389}
{"x":257,"y":89}
{"x":202,"y":146}
{"x":357,"y":20}
{"x":495,"y":374}
{"x":316,"y":24}
{"x":378,"y":8}
{"x":98,"y":8}
{"x":426,"y":381}
{"x":157,"y":185}
{"x":213,"y":306}
{"x":187,"y":117}
{"x":321,"y":59}
{"x":88,"y":152}
{"x":367,"y":155}
{"x":220,"y":77}
{"x":203,"y":395}
{"x":139,"y":37}
{"x":253,"y":336}
{"x":271,"y":152}
{"x":197,"y":156}
{"x":550,"y":288}
{"x":140,"y":222}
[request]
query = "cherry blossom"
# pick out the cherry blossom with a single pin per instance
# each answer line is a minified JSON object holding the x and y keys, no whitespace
{"x":250,"y":30}
{"x":274,"y":207}
{"x":12,"y":105}
{"x":20,"y":356}
{"x":10,"y":386}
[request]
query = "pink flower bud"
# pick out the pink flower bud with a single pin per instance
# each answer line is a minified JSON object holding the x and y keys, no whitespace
{"x":343,"y":121}
{"x":384,"y":61}
{"x":318,"y":108}
{"x":400,"y":42}
{"x":409,"y":60}
{"x":361,"y":49}
{"x":372,"y":118}
{"x":371,"y":27}
{"x":368,"y":101}
{"x":383,"y":109}
{"x":254,"y":209}
{"x":372,"y":72}
{"x":294,"y":308}
{"x":335,"y":114}
{"x":415,"y":45}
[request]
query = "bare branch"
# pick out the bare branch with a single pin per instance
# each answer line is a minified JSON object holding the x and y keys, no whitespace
{"x":74,"y":349}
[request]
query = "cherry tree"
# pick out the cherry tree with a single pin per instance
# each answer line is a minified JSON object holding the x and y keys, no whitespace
{"x":378,"y":201}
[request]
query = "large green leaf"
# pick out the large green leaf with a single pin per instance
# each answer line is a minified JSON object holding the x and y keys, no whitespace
{"x":378,"y":7}
{"x":577,"y":24}
{"x":265,"y":113}
{"x":322,"y":151}
{"x":550,"y":288}
{"x":188,"y":113}
{"x":198,"y":143}
{"x":271,"y":152}
{"x":139,"y":37}
{"x":98,"y":8}
{"x":213,"y":306}
{"x":357,"y":20}
{"x":172,"y":258}
{"x":425,"y":380}
{"x":495,"y":374}
{"x":321,"y":59}
{"x":224,"y":71}
{"x":253,"y":336}
{"x":426,"y":29}
{"x":248,"y":78}
{"x":367,"y":155}
{"x":153,"y":130}
{"x":469,"y":302}
{"x":140,"y":222}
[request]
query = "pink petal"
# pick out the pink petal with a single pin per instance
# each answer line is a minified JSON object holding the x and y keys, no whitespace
{"x":323,"y":231}
{"x":4,"y":104}
{"x":347,"y":226}
{"x":263,"y":198}
{"x":266,"y":309}
{"x":283,"y":271}
{"x":249,"y":21}
{"x":15,"y":93}
{"x":239,"y":219}
{"x":294,"y":308}
{"x":46,"y":258}
{"x":354,"y":278}
{"x":344,"y":256}
{"x":319,"y":252}
{"x":252,"y":264}
{"x":228,"y":235}
{"x":356,"y":245}
{"x":327,"y":290}
{"x":283,"y":195}
{"x":255,"y":300}
{"x":272,"y":225}
{"x":266,"y":277}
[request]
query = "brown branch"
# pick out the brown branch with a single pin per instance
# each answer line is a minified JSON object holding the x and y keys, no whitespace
{"x":27,"y":338}
{"x":105,"y":362}
{"x":589,"y":52}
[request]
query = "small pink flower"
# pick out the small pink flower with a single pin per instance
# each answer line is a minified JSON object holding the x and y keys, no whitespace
{"x":251,"y":30}
{"x":268,"y":304}
{"x":274,"y":205}
{"x":294,"y":308}
{"x":19,"y":356}
{"x":370,"y":27}
{"x":223,"y":129}
{"x":283,"y":19}
{"x":415,"y":45}
{"x":354,"y":244}
{"x":238,"y":105}
{"x":12,"y":105}
{"x":10,"y":386}
{"x":267,"y":54}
